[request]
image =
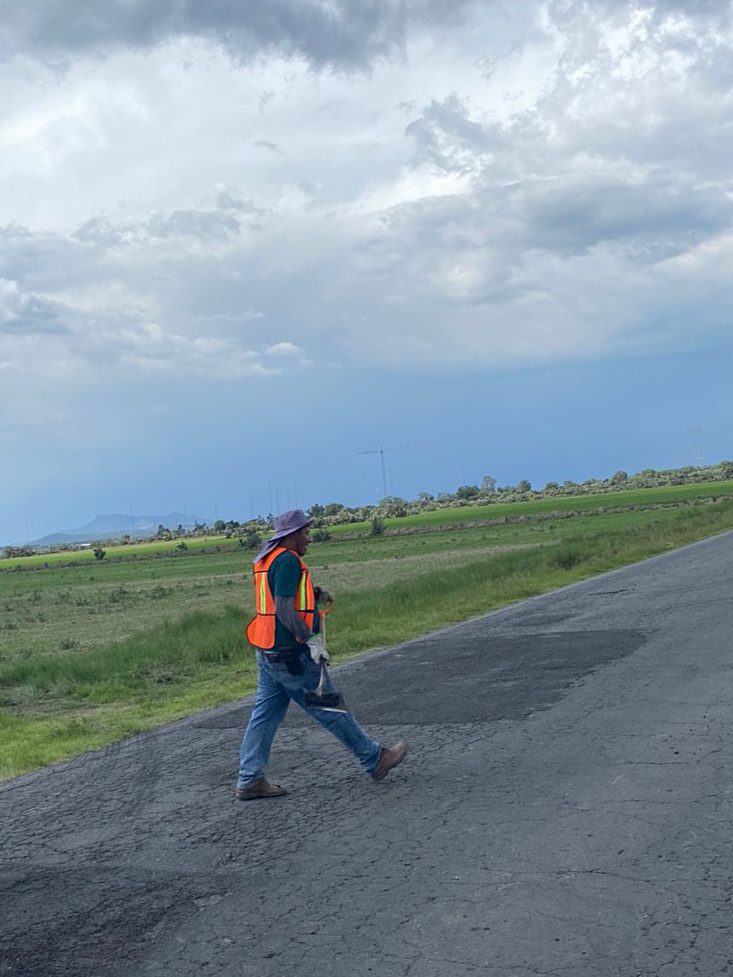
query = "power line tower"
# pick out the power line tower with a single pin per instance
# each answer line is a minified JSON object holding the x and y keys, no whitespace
{"x":382,"y":452}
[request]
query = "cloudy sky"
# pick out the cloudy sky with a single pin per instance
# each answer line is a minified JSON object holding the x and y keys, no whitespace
{"x":241,"y":242}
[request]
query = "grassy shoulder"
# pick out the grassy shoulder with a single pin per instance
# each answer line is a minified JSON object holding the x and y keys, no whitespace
{"x":56,"y":706}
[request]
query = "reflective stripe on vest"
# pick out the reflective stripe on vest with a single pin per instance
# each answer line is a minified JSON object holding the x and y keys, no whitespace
{"x":261,"y":629}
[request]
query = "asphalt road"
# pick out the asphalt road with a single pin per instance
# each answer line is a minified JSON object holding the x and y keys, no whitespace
{"x":566,"y":809}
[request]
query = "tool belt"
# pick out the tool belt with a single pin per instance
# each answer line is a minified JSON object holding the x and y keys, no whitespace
{"x":291,"y":658}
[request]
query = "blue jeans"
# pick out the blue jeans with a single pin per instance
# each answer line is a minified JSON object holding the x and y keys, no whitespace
{"x":275,"y":688}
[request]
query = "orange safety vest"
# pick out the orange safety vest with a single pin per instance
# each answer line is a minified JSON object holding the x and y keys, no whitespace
{"x":261,"y":629}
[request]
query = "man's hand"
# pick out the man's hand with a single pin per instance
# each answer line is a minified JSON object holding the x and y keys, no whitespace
{"x":323,"y":598}
{"x":319,"y":652}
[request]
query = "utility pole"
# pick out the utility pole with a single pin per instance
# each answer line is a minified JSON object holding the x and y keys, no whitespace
{"x":381,"y":452}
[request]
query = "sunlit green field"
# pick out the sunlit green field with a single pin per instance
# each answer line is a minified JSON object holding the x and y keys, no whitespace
{"x":93,"y":650}
{"x":562,"y":504}
{"x":130,"y":551}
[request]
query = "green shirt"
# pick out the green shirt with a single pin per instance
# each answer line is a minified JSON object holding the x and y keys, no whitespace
{"x":284,"y":580}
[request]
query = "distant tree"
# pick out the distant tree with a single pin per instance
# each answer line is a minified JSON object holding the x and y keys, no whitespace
{"x":182,"y":546}
{"x":219,"y":526}
{"x":12,"y":551}
{"x":99,"y":553}
{"x":619,"y":477}
{"x":425,"y":497}
{"x":551,"y":487}
{"x":488,"y":485}
{"x":393,"y":505}
{"x":524,"y":486}
{"x":332,"y":509}
{"x":467,"y":491}
{"x":316,"y":511}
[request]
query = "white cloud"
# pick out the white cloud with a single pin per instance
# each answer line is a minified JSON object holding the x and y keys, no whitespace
{"x":549,"y":182}
{"x":283,"y":349}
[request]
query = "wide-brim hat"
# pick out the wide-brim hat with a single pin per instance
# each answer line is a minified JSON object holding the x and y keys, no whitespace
{"x":286,"y":523}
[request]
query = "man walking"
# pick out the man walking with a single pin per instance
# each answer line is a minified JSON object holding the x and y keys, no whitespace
{"x":290,"y":653}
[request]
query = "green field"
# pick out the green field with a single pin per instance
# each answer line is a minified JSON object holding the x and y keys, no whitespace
{"x":94,"y":650}
{"x":447,"y":517}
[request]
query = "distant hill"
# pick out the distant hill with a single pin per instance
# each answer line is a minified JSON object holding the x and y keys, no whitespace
{"x":118,"y":524}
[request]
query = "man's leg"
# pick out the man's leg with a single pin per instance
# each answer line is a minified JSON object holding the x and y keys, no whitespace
{"x":342,"y":724}
{"x":271,"y":704}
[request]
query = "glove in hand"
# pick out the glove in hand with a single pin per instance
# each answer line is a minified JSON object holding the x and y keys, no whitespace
{"x":319,"y":652}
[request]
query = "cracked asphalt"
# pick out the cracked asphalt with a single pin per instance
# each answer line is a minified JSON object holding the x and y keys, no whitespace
{"x":565,"y":808}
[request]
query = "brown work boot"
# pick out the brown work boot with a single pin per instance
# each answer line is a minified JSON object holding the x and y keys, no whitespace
{"x":389,"y":757}
{"x":259,"y":788}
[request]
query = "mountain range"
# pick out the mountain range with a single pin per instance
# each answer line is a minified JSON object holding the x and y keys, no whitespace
{"x":118,"y":524}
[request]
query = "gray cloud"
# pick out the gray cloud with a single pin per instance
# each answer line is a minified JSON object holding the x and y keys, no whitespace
{"x":22,"y":313}
{"x":717,"y":11}
{"x":42,"y":262}
{"x":341,"y":33}
{"x":204,"y":225}
{"x":568,"y":182}
{"x":225,"y":201}
{"x":526,"y":236}
{"x":445,"y":137}
{"x":267,"y":144}
{"x":714,"y":11}
{"x":574,"y":214}
{"x":100,"y":232}
{"x":197,"y":224}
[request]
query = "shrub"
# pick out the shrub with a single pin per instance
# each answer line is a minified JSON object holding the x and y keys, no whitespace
{"x":566,"y":556}
{"x":378,"y":526}
{"x":320,"y":535}
{"x":250,"y":538}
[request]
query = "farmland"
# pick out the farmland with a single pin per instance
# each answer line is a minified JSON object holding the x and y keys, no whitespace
{"x":92,"y":650}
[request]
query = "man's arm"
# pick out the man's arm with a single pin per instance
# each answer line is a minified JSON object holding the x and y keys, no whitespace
{"x":287,"y":615}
